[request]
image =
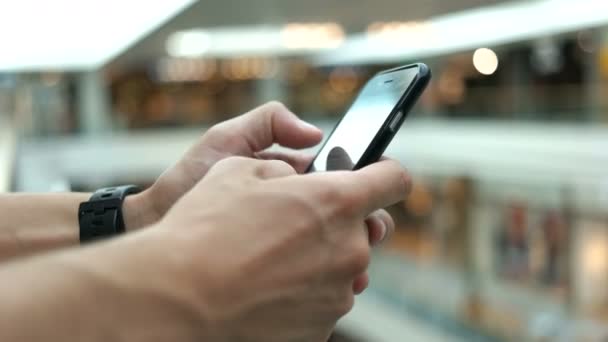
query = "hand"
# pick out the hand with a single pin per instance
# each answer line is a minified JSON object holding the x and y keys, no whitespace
{"x":271,"y":255}
{"x":247,"y":135}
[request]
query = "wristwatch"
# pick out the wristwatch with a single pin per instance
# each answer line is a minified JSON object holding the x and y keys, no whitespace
{"x":101,"y":216}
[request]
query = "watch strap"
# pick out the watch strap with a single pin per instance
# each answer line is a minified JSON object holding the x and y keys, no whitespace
{"x":101,"y":216}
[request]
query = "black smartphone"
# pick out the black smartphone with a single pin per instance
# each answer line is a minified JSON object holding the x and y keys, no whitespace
{"x":364,"y":132}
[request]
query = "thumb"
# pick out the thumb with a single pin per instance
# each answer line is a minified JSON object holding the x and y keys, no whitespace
{"x":272,"y":123}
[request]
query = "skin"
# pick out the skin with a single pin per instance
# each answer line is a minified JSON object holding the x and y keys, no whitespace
{"x":35,"y":223}
{"x":194,"y":273}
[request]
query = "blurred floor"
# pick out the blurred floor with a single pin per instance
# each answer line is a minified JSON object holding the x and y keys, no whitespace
{"x":373,"y":319}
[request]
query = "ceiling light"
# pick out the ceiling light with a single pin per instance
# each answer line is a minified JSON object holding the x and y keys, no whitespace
{"x":410,"y":32}
{"x":193,"y":43}
{"x":312,"y":35}
{"x":485,"y":61}
{"x":260,"y":40}
{"x":224,"y":41}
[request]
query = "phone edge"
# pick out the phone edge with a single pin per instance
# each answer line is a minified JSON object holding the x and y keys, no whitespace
{"x":384,"y":136}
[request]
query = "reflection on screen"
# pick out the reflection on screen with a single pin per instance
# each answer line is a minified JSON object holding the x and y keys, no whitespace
{"x":345,"y":147}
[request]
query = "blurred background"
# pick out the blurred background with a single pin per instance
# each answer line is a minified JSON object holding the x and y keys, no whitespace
{"x":505,"y":235}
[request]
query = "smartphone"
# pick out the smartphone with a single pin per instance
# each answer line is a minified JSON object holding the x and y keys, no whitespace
{"x":364,"y":132}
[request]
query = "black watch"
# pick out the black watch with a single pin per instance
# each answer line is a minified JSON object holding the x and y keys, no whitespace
{"x":101,"y":216}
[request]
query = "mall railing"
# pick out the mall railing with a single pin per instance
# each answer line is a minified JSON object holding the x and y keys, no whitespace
{"x":7,"y":151}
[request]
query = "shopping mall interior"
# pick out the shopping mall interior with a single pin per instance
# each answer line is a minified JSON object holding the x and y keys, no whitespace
{"x":504,"y":236}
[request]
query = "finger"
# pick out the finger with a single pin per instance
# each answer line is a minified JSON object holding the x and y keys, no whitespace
{"x":360,"y":283}
{"x":338,"y":159}
{"x":299,"y":161}
{"x":373,"y":187}
{"x":380,"y":226}
{"x":273,"y":123}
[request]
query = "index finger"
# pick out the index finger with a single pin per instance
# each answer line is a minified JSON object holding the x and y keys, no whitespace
{"x":272,"y":123}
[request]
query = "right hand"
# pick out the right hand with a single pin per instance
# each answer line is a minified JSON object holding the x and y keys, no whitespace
{"x":268,"y":255}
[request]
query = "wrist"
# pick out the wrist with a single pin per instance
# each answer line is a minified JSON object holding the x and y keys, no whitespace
{"x":140,"y":211}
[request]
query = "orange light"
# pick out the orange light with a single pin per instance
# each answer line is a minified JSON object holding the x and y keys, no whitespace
{"x":412,"y":32}
{"x":420,"y":201}
{"x":343,"y":80}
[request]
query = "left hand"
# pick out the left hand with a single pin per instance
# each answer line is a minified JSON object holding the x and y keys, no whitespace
{"x":248,"y":135}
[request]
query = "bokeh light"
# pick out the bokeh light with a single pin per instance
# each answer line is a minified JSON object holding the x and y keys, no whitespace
{"x":485,"y":61}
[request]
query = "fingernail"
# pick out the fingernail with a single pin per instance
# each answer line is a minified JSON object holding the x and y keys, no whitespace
{"x":383,"y":230}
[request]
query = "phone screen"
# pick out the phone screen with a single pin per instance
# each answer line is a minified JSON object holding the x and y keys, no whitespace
{"x":370,"y":110}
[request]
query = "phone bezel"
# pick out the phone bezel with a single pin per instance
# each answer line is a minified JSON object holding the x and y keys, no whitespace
{"x":384,"y":135}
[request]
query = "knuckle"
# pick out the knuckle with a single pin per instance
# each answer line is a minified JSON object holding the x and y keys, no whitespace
{"x":308,"y":215}
{"x":273,"y":168}
{"x":282,"y":165}
{"x":330,"y":194}
{"x":313,"y":219}
{"x":309,"y":224}
{"x":222,"y":134}
{"x":274,"y":106}
{"x":355,"y":200}
{"x":231,"y":162}
{"x":405,"y":179}
{"x":343,"y":201}
{"x":215,"y":131}
{"x":349,"y":204}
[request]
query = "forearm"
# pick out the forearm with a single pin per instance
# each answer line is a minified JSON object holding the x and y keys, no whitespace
{"x":32,"y":223}
{"x":98,"y":293}
{"x":36,"y":222}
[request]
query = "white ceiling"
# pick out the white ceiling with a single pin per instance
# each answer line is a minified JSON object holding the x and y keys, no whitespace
{"x":75,"y":34}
